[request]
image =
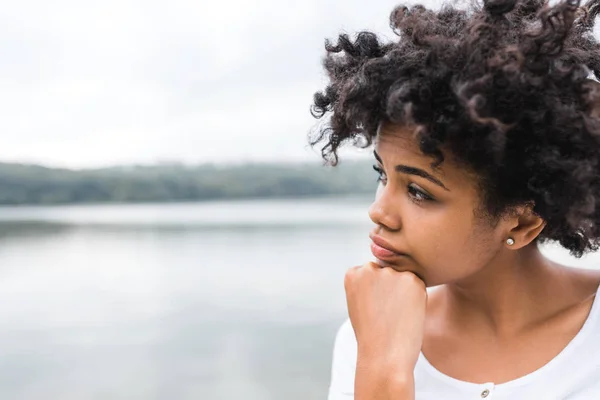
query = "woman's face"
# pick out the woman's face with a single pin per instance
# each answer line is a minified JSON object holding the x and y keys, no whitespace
{"x":429,"y":215}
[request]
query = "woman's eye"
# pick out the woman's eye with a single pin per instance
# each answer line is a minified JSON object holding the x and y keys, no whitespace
{"x":417,"y":194}
{"x":381,"y":177}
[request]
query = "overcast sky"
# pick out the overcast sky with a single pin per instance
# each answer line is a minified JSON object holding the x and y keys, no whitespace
{"x":86,"y":84}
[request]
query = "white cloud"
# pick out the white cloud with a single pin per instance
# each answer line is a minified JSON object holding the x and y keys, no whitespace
{"x":127,"y":81}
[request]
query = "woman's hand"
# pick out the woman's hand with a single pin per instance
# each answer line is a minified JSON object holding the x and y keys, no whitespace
{"x":387,"y":312}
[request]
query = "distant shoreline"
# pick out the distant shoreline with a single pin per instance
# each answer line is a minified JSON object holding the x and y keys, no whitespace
{"x":26,"y":185}
{"x":344,"y":196}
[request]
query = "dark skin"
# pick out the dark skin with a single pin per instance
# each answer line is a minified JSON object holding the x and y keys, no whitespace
{"x":494,"y":301}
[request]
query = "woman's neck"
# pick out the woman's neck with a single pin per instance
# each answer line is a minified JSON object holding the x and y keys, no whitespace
{"x":517,"y":290}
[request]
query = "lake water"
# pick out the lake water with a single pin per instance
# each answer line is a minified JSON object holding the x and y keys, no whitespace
{"x":220,"y":300}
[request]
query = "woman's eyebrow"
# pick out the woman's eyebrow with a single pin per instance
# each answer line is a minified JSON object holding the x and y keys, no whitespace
{"x":406,"y":169}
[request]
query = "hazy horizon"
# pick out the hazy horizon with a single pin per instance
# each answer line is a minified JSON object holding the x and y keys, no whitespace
{"x":91,"y":85}
{"x":167,"y":163}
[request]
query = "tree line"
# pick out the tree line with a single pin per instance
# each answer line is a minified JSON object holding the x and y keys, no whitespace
{"x":34,"y":184}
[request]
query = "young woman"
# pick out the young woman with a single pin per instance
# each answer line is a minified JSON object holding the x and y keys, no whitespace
{"x":486,"y":130}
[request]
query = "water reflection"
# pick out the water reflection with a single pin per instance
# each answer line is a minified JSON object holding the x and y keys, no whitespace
{"x":94,"y":307}
{"x":182,"y":302}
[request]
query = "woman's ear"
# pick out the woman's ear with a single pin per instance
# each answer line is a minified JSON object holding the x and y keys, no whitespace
{"x":527,"y":226}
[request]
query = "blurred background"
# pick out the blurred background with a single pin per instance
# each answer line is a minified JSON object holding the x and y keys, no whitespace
{"x":165,"y":231}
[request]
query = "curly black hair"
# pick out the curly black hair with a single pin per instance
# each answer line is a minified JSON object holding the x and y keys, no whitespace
{"x":508,"y":87}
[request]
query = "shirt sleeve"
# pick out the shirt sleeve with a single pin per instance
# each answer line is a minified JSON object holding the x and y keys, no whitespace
{"x":343,"y":366}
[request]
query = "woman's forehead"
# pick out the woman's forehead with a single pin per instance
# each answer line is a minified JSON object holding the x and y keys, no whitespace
{"x":400,"y":145}
{"x":399,"y":142}
{"x":407,"y":140}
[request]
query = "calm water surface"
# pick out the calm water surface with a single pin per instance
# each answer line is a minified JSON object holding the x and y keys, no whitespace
{"x":221,"y":300}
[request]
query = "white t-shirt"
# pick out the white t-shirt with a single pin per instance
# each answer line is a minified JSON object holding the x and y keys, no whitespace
{"x":574,"y":374}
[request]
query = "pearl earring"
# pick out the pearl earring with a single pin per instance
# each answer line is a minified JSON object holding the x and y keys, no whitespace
{"x":510,"y":241}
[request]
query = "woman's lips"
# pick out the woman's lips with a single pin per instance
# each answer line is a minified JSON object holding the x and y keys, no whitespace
{"x":385,"y":257}
{"x":382,"y":249}
{"x":381,"y":252}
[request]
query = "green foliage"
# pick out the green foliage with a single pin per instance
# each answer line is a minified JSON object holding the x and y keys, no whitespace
{"x":31,"y":184}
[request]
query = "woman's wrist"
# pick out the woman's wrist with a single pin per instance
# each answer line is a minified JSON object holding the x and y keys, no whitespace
{"x":394,"y":360}
{"x":378,"y":378}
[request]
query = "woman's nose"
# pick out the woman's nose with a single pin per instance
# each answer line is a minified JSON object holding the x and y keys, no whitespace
{"x":384,"y":211}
